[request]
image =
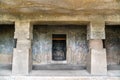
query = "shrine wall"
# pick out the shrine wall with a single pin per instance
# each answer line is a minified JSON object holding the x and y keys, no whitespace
{"x":76,"y":40}
{"x":77,"y":44}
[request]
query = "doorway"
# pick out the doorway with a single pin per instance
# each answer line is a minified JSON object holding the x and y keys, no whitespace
{"x":59,"y":47}
{"x":112,"y":45}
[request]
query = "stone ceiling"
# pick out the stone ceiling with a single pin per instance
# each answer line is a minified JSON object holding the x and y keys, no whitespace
{"x":60,"y":6}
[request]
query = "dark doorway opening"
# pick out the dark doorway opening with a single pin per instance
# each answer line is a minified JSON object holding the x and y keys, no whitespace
{"x":6,"y":46}
{"x":58,"y":47}
{"x":112,"y":44}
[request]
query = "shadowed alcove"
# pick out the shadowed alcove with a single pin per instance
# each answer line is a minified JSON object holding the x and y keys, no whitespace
{"x":59,"y":47}
{"x":6,"y":45}
{"x":112,"y":45}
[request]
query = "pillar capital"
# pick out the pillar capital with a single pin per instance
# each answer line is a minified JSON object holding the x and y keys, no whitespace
{"x":96,"y":29}
{"x":23,"y":30}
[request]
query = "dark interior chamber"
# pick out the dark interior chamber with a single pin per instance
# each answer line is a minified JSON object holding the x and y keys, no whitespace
{"x":58,"y":47}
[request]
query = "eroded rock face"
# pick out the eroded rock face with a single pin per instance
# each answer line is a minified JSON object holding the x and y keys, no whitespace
{"x":59,"y":6}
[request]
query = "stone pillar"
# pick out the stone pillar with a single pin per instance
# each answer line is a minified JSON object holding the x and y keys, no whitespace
{"x":22,"y":55}
{"x":96,"y":59}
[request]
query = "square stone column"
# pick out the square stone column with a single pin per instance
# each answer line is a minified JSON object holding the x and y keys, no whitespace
{"x":96,"y":59}
{"x":96,"y":30}
{"x":22,"y":54}
{"x":97,"y":62}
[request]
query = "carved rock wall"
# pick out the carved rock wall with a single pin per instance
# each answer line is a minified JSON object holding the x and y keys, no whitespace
{"x":112,"y":43}
{"x":77,"y":48}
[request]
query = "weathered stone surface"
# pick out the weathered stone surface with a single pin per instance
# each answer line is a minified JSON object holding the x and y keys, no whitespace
{"x":21,"y":61}
{"x":77,"y":47}
{"x":22,"y":55}
{"x":112,"y":44}
{"x":96,"y":29}
{"x":95,"y":44}
{"x":5,"y":59}
{"x":62,"y":12}
{"x":58,"y":78}
{"x":23,"y":44}
{"x":60,"y":7}
{"x":23,"y":30}
{"x":96,"y":62}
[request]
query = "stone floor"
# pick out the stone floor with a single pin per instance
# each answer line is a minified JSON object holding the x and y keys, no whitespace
{"x":57,"y":78}
{"x":111,"y":73}
{"x":57,"y":70}
{"x":59,"y":75}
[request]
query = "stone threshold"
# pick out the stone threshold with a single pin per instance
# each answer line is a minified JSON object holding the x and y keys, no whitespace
{"x":58,"y":67}
{"x":57,"y":78}
{"x":65,"y":73}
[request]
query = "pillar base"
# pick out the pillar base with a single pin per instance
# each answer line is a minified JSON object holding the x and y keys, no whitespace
{"x":96,"y":62}
{"x":21,"y":62}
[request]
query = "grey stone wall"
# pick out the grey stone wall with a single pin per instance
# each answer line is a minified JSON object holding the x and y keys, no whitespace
{"x":112,"y":44}
{"x":77,"y":48}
